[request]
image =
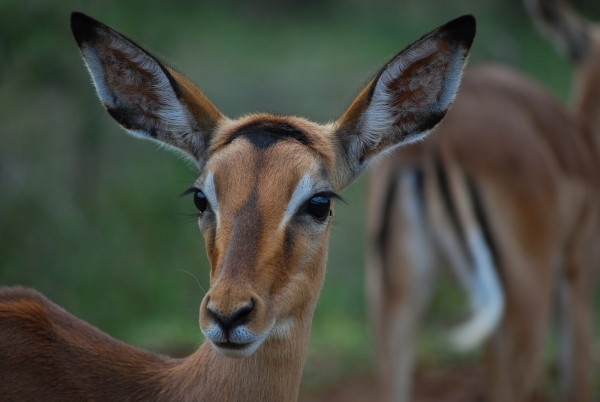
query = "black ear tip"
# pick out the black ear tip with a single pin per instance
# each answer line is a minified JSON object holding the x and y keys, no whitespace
{"x":83,"y":27}
{"x":461,"y":29}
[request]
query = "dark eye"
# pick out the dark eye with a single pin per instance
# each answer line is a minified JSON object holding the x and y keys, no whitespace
{"x":200,"y":200}
{"x":319,"y":207}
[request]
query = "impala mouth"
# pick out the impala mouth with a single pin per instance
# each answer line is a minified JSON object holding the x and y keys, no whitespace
{"x":232,"y":345}
{"x":236,"y":350}
{"x":238,"y":343}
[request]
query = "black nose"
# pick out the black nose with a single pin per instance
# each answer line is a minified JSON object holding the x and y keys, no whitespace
{"x":237,"y":318}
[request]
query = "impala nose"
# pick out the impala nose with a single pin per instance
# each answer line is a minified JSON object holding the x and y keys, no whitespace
{"x":235,"y":319}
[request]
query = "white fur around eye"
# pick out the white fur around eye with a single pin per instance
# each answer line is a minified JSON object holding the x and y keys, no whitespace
{"x":211,"y":194}
{"x":301,"y":193}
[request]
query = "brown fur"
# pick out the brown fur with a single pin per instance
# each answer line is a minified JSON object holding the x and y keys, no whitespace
{"x":265,"y":270}
{"x":537,"y":170}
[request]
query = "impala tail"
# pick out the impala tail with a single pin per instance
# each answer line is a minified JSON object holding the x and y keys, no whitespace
{"x":580,"y":40}
{"x":474,"y":260}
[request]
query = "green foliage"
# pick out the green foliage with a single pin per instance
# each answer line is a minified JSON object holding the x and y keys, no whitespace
{"x":90,"y":217}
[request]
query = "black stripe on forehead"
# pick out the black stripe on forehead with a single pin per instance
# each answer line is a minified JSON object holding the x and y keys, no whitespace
{"x":265,"y":134}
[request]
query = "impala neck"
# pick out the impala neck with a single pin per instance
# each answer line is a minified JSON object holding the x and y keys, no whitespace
{"x":272,"y":373}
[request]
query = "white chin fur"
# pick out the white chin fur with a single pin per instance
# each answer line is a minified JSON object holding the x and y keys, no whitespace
{"x":248,"y":350}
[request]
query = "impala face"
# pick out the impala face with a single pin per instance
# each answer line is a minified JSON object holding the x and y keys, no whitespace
{"x":264,"y":205}
{"x":267,"y":183}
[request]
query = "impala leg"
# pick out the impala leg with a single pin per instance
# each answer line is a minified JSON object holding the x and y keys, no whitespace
{"x":575,"y":341}
{"x":582,"y":359}
{"x":514,"y":352}
{"x":398,"y":330}
{"x":575,"y":316}
{"x":565,"y":332}
{"x":401,"y":273}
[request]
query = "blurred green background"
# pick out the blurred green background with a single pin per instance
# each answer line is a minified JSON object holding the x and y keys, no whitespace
{"x":90,"y":217}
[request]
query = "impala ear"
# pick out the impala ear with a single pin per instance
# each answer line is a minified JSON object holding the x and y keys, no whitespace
{"x":409,"y":96}
{"x":145,"y":97}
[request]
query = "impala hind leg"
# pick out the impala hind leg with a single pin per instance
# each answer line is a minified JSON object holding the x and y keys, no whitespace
{"x":574,"y":341}
{"x":514,"y":352}
{"x":575,"y":315}
{"x":398,"y":337}
{"x":401,"y":271}
{"x":581,"y":362}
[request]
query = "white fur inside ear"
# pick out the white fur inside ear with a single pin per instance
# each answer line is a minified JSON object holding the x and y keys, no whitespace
{"x":433,"y":86}
{"x":454,"y":71}
{"x":144,"y":91}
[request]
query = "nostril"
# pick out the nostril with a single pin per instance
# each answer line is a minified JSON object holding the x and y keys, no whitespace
{"x":218,"y":317}
{"x":237,"y":318}
{"x":240,"y":317}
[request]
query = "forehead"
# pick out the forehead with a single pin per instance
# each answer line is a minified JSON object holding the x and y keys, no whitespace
{"x":268,"y":159}
{"x":265,"y":134}
{"x":264,"y":131}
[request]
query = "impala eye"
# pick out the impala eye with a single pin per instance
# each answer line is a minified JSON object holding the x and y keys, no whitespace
{"x":319,"y":206}
{"x":200,"y":200}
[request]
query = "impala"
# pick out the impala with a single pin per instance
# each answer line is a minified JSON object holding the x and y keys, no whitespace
{"x":264,"y":195}
{"x":506,"y":192}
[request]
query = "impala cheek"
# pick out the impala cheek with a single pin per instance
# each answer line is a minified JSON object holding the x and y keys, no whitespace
{"x":282,"y":329}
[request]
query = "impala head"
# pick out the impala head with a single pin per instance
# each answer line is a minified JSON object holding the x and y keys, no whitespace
{"x":267,"y":184}
{"x":579,"y":39}
{"x":563,"y":26}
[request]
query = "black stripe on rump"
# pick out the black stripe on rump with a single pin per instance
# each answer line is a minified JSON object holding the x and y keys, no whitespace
{"x":482,"y":218}
{"x":442,"y":179}
{"x":383,"y":238}
{"x":380,"y":244}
